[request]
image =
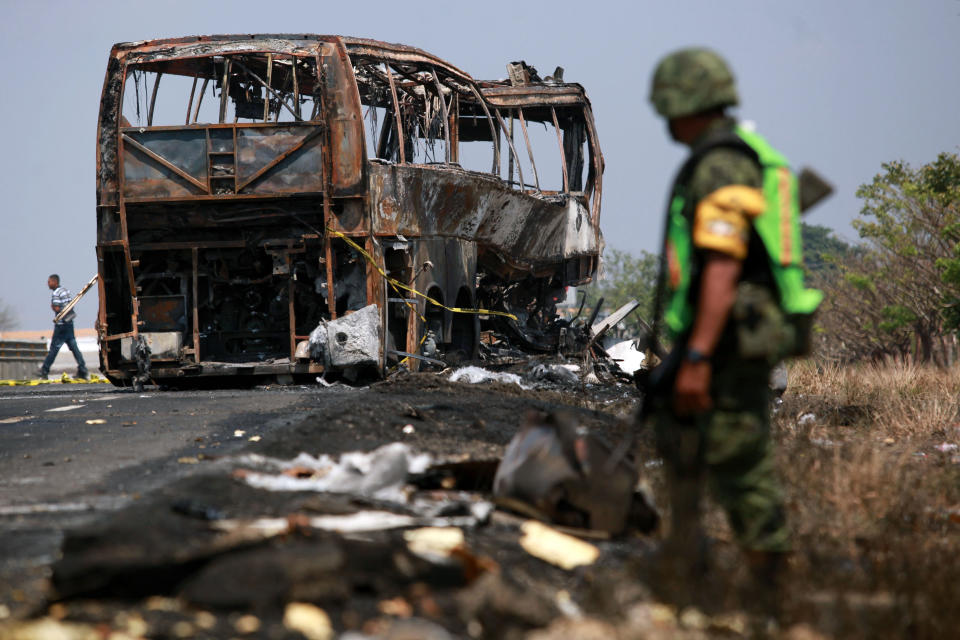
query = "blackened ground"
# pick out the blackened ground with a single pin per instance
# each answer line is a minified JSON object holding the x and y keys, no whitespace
{"x":116,"y":564}
{"x":448,"y":419}
{"x":159,"y":561}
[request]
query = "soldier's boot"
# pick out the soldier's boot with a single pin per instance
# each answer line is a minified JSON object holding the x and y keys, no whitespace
{"x":765,"y":594}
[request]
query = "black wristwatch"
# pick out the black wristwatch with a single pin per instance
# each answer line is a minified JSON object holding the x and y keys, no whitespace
{"x":694,"y":356}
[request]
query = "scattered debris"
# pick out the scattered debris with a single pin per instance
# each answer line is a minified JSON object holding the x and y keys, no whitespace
{"x":360,"y":522}
{"x":562,"y":374}
{"x":557,"y":471}
{"x":404,"y":629}
{"x":349,"y":343}
{"x":625,"y":354}
{"x":693,"y":618}
{"x":778,"y":379}
{"x":69,"y":407}
{"x":615,"y":318}
{"x":495,"y":604}
{"x":310,"y":620}
{"x":371,"y":536}
{"x":380,"y":473}
{"x":555,"y":547}
{"x":50,"y":629}
{"x":475,"y":375}
{"x":245,"y":624}
{"x":436,"y":543}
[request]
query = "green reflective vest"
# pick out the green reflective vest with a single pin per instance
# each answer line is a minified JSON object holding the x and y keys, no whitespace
{"x":778,"y":228}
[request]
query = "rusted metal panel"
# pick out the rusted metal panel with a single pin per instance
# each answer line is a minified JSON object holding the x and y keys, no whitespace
{"x":598,"y":170}
{"x":342,"y":102}
{"x":175,"y":163}
{"x":201,"y":46}
{"x":164,"y":164}
{"x":164,"y":313}
{"x":399,"y":53}
{"x":107,"y":142}
{"x":279,"y":159}
{"x":534,"y":95}
{"x":522,"y":231}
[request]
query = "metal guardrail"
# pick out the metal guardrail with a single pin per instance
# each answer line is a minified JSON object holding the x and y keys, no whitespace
{"x":21,"y":358}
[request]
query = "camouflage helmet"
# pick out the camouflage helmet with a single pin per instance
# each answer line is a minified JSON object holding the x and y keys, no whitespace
{"x":690,"y":81}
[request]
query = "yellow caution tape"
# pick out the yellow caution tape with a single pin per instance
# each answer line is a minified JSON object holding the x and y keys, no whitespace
{"x":64,"y":379}
{"x":406,"y":302}
{"x":397,"y":284}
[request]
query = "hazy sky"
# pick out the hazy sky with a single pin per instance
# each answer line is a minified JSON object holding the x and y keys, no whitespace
{"x":839,"y":85}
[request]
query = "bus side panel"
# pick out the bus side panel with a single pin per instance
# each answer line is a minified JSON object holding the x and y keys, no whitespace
{"x":345,"y":137}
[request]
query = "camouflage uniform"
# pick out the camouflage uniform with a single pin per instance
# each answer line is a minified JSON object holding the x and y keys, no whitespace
{"x":728,"y":446}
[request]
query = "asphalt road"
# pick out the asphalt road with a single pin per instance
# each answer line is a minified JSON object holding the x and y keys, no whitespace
{"x":71,"y":452}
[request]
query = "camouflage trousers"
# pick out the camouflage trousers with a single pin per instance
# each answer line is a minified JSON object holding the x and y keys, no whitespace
{"x":727,"y":449}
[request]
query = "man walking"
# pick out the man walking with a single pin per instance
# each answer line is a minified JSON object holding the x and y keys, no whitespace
{"x":62,"y":330}
{"x":734,"y":303}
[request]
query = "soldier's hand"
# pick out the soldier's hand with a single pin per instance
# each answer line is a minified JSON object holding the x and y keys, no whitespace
{"x":691,"y":391}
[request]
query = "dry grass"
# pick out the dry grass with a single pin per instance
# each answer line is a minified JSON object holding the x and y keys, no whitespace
{"x":874,"y":501}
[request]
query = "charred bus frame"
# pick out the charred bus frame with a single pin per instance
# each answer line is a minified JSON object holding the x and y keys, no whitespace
{"x":299,"y":175}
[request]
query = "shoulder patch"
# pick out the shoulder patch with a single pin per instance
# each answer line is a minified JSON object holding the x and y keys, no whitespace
{"x":722,"y":219}
{"x":738,"y":197}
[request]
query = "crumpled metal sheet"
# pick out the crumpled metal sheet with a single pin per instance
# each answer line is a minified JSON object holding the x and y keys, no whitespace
{"x":568,"y":476}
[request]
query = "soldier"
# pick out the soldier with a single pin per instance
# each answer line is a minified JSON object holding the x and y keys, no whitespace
{"x":734,"y":303}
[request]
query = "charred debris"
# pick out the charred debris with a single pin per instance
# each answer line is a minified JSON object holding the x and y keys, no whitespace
{"x":256,"y":192}
{"x":468,"y":546}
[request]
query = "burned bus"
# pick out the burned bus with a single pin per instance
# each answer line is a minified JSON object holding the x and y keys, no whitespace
{"x":276,"y":205}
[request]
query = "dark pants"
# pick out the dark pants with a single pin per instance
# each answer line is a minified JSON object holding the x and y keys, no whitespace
{"x":729,"y":450}
{"x":63,"y":334}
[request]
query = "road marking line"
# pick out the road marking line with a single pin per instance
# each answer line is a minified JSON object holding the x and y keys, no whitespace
{"x":69,"y":407}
